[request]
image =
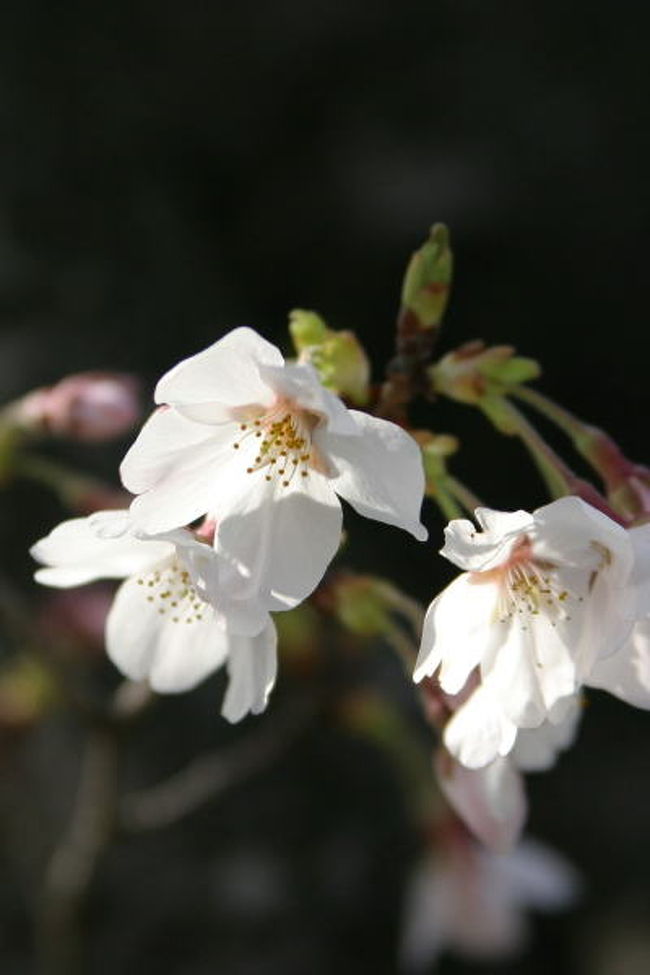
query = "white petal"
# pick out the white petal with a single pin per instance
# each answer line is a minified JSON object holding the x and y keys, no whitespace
{"x":300,"y":383}
{"x":639,"y":581}
{"x":228,"y":372}
{"x":167,"y":440}
{"x":190,"y":485}
{"x":626,"y":673}
{"x":246,"y":616}
{"x":490,"y":801}
{"x":145,"y":644}
{"x":279,"y":540}
{"x":479,"y":731}
{"x":566,"y":529}
{"x":75,"y":555}
{"x":537,"y":749}
{"x":480,"y":550}
{"x":458,"y":631}
{"x":379,"y":473}
{"x":252,"y":668}
{"x":510,"y":673}
{"x":539,"y":877}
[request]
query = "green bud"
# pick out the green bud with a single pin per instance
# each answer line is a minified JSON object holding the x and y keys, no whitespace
{"x":306,"y":328}
{"x":425,"y":290}
{"x":473,"y":372}
{"x":338,"y":356}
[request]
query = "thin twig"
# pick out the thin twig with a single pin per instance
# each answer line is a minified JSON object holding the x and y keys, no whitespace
{"x":210,"y":775}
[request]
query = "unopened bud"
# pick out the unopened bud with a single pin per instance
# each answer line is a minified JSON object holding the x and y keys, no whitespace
{"x":90,"y":406}
{"x":425,"y":290}
{"x":338,"y":356}
{"x":474,"y":372}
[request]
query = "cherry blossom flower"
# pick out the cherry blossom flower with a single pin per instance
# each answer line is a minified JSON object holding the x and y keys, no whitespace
{"x":489,"y":796}
{"x":544,"y":597}
{"x":264,"y":448}
{"x":162,"y":626}
{"x":473,"y":902}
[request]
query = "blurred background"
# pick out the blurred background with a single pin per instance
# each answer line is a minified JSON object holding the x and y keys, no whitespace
{"x":169,"y":171}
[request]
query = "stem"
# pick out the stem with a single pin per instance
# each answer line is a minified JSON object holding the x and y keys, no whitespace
{"x":69,"y":486}
{"x":448,"y":506}
{"x":213,"y":774}
{"x":463,"y":494}
{"x":73,"y":865}
{"x":74,"y":862}
{"x":562,"y":418}
{"x":403,"y":645}
{"x":559,"y":477}
{"x":556,"y":474}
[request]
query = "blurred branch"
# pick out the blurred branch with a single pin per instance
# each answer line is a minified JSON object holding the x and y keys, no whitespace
{"x":212,"y":774}
{"x":72,"y":867}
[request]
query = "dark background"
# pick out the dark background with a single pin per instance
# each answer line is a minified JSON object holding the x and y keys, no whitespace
{"x":169,"y":171}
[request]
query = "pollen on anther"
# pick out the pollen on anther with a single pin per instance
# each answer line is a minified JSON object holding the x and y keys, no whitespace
{"x":285,"y":484}
{"x":236,"y":446}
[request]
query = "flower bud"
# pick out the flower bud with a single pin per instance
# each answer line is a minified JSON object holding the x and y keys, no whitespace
{"x":473,"y":372}
{"x":338,"y":356}
{"x":90,"y":406}
{"x":425,"y":290}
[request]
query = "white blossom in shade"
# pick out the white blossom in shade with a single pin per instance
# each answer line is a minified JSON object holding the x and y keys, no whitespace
{"x":473,"y":902}
{"x":491,"y":801}
{"x":264,"y":448}
{"x":162,"y":627}
{"x":490,"y":797}
{"x":542,"y":598}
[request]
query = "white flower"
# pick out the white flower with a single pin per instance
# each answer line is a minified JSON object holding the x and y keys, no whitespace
{"x":480,"y":731}
{"x":265,"y":449}
{"x":544,"y":596}
{"x":161,"y":627}
{"x":473,"y":902}
{"x":488,"y":795}
{"x":491,"y":801}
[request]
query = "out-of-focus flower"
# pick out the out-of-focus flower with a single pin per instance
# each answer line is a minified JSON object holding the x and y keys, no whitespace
{"x":84,"y":406}
{"x":489,"y":797}
{"x":164,"y":625}
{"x":473,"y":902}
{"x":543,"y":598}
{"x":262,"y":446}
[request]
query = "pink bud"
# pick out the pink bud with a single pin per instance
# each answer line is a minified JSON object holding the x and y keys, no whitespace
{"x":84,"y":406}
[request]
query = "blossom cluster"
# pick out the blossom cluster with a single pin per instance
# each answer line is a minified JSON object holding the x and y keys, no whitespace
{"x":237,"y":477}
{"x":549,"y":603}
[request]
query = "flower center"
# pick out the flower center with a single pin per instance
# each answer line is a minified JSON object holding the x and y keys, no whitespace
{"x":530,"y":587}
{"x":281,"y":443}
{"x":169,"y":585}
